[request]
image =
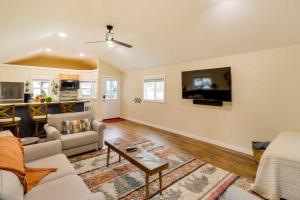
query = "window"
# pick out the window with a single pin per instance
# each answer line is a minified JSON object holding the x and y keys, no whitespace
{"x":40,"y":87}
{"x":154,"y":88}
{"x":87,"y":89}
{"x":111,"y":90}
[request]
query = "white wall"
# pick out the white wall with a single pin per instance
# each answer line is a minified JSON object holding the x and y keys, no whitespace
{"x":105,"y":70}
{"x":266,"y":99}
{"x":16,"y":73}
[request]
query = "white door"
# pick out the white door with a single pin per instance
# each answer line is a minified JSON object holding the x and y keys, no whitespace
{"x":111,"y":105}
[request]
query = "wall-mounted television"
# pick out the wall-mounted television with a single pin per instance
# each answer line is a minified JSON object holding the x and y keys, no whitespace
{"x":207,"y":84}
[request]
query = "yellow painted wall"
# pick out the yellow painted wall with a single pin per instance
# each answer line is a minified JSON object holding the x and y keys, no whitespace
{"x":46,"y":60}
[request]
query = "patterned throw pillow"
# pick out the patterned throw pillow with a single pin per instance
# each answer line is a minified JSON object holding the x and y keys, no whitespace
{"x":76,"y":126}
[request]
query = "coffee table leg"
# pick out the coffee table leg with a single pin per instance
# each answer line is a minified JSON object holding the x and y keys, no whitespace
{"x":147,"y":187}
{"x":160,"y":183}
{"x":108,"y":154}
{"x":119,"y":158}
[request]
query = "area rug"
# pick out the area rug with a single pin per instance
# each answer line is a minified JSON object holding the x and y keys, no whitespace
{"x":186,"y":178}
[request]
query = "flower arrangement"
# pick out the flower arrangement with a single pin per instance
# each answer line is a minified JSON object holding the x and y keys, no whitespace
{"x":43,"y":98}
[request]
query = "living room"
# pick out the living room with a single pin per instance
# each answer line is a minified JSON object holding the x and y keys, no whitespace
{"x":149,"y":100}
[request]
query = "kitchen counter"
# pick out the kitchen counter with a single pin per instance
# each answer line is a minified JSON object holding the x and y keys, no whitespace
{"x":22,"y":104}
{"x":26,"y":124}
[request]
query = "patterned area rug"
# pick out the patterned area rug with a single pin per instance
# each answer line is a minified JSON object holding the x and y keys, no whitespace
{"x":186,"y":178}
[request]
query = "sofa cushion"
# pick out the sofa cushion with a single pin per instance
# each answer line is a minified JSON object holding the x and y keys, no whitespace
{"x":42,"y":150}
{"x":69,"y":187}
{"x":79,"y":139}
{"x":6,"y":133}
{"x":59,"y":161}
{"x":10,"y":119}
{"x":56,"y":120}
{"x":76,"y":126}
{"x":10,"y":186}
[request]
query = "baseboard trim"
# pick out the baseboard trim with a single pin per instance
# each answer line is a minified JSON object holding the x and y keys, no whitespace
{"x":190,"y":135}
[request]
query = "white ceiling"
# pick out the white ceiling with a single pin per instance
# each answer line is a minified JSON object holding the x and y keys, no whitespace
{"x":161,"y":31}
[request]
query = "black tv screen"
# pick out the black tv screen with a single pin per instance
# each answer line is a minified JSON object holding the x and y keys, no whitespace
{"x":208,"y":84}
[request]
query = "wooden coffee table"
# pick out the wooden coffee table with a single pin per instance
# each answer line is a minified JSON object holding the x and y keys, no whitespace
{"x":149,"y":163}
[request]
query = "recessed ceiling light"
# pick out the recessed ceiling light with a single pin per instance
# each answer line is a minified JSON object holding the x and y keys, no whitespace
{"x":62,"y":34}
{"x":48,"y":50}
{"x":110,"y":44}
{"x":81,"y":54}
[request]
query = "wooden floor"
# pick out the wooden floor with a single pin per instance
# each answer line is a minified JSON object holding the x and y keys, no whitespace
{"x":238,"y":163}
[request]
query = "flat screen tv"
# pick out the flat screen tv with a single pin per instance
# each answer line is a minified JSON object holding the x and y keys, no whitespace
{"x":207,"y":84}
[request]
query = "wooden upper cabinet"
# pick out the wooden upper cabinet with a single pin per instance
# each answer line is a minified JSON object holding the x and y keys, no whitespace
{"x":69,"y":77}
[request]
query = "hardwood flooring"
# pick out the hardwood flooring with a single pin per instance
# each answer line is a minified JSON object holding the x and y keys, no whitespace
{"x":236,"y":162}
{"x":113,"y":120}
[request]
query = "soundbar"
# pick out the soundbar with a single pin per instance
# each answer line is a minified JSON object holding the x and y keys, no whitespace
{"x":208,"y":102}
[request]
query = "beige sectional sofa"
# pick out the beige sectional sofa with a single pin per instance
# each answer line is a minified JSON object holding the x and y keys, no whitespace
{"x":73,"y":144}
{"x":64,"y":184}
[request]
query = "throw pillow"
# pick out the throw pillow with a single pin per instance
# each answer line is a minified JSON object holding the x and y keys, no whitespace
{"x":76,"y":126}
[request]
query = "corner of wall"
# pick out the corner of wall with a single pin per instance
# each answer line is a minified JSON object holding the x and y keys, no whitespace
{"x":104,"y":69}
{"x":107,"y":69}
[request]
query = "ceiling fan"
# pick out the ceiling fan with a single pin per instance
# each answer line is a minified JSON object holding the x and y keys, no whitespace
{"x":109,"y":39}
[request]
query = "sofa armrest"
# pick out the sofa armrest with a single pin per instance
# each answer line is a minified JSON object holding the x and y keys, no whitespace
{"x":52,"y":132}
{"x":98,"y":127}
{"x":95,"y":196}
{"x":42,"y":150}
{"x":236,"y":193}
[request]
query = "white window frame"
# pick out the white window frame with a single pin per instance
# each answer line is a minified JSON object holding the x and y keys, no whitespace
{"x":162,"y":76}
{"x":93,"y":89}
{"x":41,"y":88}
{"x":118,"y":88}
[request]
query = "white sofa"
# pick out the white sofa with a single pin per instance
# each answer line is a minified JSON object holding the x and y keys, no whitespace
{"x":64,"y":184}
{"x":236,"y":193}
{"x":278,"y":173}
{"x":77,"y":143}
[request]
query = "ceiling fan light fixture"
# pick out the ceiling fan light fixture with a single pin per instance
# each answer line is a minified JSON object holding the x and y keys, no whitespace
{"x":110,"y":45}
{"x":48,"y":50}
{"x":62,"y":34}
{"x":109,"y":39}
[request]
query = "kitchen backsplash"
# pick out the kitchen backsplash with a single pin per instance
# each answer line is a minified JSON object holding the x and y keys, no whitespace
{"x":68,"y":95}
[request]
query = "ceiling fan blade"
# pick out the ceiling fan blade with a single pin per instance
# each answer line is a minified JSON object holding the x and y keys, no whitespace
{"x":122,"y":43}
{"x":93,"y":42}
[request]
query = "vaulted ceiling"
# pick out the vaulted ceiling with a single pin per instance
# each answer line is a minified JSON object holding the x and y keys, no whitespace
{"x":161,"y":31}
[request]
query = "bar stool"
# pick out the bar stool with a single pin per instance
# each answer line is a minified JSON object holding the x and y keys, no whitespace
{"x":67,"y":107}
{"x":8,"y":119}
{"x":38,"y":114}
